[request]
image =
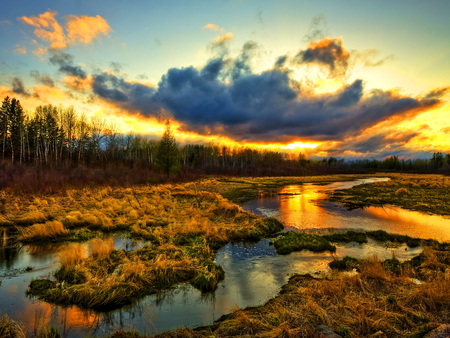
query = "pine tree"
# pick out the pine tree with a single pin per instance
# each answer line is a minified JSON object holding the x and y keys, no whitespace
{"x":167,"y":157}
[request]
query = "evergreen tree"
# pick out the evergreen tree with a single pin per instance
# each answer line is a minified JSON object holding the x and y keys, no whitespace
{"x":167,"y":157}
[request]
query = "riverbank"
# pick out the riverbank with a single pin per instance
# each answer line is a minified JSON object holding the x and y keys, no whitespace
{"x":425,"y":193}
{"x":183,"y":226}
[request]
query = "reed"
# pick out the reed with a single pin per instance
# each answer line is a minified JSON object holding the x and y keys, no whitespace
{"x":49,"y":230}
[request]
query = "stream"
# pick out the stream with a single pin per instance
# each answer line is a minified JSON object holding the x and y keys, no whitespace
{"x":254,"y":273}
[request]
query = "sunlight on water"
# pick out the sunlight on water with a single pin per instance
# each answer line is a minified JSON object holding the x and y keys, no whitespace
{"x":304,"y":207}
{"x":254,"y":272}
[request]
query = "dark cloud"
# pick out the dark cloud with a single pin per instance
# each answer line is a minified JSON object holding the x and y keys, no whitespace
{"x":18,"y":87}
{"x":328,"y":52}
{"x":280,"y":61}
{"x":242,"y":62}
{"x":116,"y":66}
{"x":226,"y":97}
{"x":65,"y":63}
{"x":394,"y":141}
{"x":130,"y":95}
{"x":44,"y":79}
{"x":350,"y":95}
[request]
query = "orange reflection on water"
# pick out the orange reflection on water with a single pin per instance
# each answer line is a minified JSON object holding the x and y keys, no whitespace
{"x":41,"y":315}
{"x":303,"y":207}
{"x":297,"y":206}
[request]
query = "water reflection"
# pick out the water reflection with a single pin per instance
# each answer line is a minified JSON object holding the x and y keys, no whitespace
{"x":304,"y":207}
{"x":254,"y":273}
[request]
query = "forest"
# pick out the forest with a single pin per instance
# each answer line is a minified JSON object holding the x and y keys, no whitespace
{"x":47,"y":144}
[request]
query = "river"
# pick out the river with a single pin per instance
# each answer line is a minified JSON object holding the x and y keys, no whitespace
{"x":254,"y":273}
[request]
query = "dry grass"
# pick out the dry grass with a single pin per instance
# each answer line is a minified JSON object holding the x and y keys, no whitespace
{"x":425,"y":193}
{"x":374,"y":302}
{"x":10,"y":328}
{"x":47,"y":231}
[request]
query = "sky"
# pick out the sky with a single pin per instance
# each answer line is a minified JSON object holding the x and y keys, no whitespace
{"x":353,"y":79}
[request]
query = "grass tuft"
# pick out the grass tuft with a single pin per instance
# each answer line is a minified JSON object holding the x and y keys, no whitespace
{"x":48,"y":231}
{"x":297,"y":241}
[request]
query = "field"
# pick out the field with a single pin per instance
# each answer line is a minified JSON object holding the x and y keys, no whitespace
{"x":183,"y":226}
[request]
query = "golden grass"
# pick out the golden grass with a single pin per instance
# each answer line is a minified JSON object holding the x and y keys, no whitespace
{"x":10,"y":328}
{"x":373,"y":302}
{"x":73,"y":255}
{"x":48,"y":230}
{"x":425,"y":193}
{"x":101,"y":248}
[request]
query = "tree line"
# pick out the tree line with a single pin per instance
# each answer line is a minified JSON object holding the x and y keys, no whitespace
{"x":57,"y":136}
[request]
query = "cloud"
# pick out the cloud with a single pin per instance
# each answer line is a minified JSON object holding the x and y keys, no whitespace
{"x":18,"y":87}
{"x":86,"y":28}
{"x":44,"y":79}
{"x":370,"y":58}
{"x":47,"y":29}
{"x":317,"y":29}
{"x":20,"y":49}
{"x":65,"y":63}
{"x":78,"y":83}
{"x":213,"y":27}
{"x":224,"y":37}
{"x":328,"y":52}
{"x":226,"y":97}
{"x":80,"y":29}
{"x":388,"y":141}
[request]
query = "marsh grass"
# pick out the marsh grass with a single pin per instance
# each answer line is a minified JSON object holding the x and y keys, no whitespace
{"x":47,"y":231}
{"x":10,"y":328}
{"x":425,"y":193}
{"x":297,"y":241}
{"x":376,"y":302}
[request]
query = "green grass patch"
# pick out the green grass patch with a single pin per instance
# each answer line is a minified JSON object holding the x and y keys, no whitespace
{"x":297,"y":241}
{"x":346,"y":263}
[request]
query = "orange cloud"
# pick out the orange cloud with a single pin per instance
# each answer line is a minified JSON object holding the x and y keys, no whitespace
{"x":79,"y":29}
{"x":48,"y":29}
{"x":77,"y":83}
{"x":224,"y":37}
{"x":86,"y":28}
{"x":213,"y":27}
{"x":21,"y":50}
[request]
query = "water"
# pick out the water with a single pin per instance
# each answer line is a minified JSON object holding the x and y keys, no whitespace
{"x":254,"y":273}
{"x":303,"y":207}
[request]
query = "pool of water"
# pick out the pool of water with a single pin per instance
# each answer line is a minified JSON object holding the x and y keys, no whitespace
{"x":254,"y":273}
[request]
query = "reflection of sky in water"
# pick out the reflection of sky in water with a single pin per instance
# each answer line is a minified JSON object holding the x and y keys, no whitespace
{"x":303,"y":207}
{"x":254,"y":273}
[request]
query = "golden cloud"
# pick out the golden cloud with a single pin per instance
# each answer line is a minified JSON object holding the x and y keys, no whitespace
{"x":86,"y":28}
{"x":77,"y":83}
{"x":224,"y":37}
{"x":79,"y":29}
{"x":213,"y":27}
{"x":47,"y":29}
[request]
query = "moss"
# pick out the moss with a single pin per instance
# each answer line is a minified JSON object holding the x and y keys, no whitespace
{"x":346,"y":263}
{"x":383,"y":236}
{"x":297,"y":241}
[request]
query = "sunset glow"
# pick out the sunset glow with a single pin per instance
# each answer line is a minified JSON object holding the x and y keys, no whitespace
{"x":234,"y":74}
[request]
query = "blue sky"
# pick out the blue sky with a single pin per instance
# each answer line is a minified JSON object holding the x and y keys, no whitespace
{"x":399,"y":48}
